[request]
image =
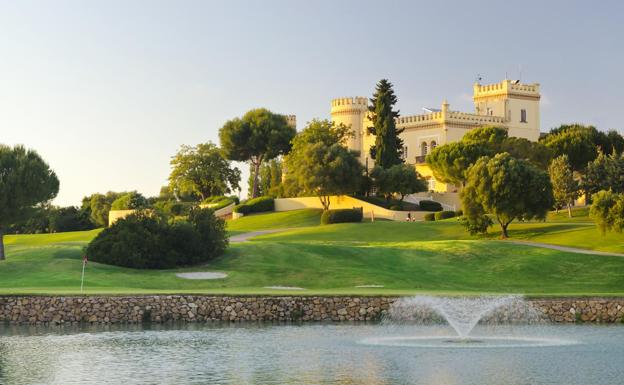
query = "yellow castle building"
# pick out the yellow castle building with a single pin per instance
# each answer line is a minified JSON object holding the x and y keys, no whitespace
{"x":509,"y":104}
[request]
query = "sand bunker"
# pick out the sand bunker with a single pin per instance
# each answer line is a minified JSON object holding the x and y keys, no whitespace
{"x":202,"y":275}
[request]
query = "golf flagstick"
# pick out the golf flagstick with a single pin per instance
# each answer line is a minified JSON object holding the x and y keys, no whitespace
{"x":84,"y":263}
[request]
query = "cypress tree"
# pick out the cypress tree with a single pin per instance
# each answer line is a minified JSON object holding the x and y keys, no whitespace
{"x":388,"y":148}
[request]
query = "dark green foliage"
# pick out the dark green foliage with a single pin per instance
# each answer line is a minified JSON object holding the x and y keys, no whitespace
{"x":400,"y":179}
{"x":257,"y":137}
{"x":459,"y":213}
{"x":607,"y":210}
{"x":606,"y":172}
{"x":581,"y":143}
{"x":130,"y":201}
{"x":450,"y":162}
{"x":388,"y":149}
{"x":508,"y":188}
{"x":444,"y":215}
{"x":143,"y":241}
{"x":430,"y":217}
{"x":341,"y":216}
{"x":70,"y":218}
{"x":98,"y":206}
{"x":256,"y":205}
{"x":426,"y":205}
{"x":174,"y":208}
{"x":202,"y":171}
{"x":25,"y":181}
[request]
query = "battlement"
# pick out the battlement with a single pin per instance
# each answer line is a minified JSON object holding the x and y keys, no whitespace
{"x":291,"y":120}
{"x":506,"y":87}
{"x":448,"y":116}
{"x":359,"y":102}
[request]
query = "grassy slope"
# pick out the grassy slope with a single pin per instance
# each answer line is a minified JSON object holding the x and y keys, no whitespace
{"x":404,"y":257}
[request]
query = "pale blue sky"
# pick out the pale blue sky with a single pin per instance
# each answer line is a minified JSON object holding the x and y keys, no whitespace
{"x":108,"y":90}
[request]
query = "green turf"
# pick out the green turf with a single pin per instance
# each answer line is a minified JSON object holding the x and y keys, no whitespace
{"x":406,"y":258}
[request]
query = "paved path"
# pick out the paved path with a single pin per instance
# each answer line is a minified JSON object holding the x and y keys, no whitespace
{"x":565,"y":248}
{"x":247,"y":236}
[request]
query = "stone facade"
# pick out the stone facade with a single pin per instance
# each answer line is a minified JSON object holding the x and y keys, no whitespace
{"x":189,"y":308}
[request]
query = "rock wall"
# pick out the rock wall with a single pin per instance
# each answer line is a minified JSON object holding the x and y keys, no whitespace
{"x":189,"y":308}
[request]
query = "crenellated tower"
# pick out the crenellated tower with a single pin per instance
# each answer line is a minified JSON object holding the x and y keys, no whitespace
{"x":352,"y":112}
{"x":516,"y":102}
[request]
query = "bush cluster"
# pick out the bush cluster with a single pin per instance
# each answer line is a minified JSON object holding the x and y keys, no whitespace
{"x":144,"y":241}
{"x":256,"y":205}
{"x":444,"y":215}
{"x":426,"y":205}
{"x":430,"y":217}
{"x":341,"y":216}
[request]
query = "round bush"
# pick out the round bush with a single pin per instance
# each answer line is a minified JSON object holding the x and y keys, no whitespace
{"x":143,"y":241}
{"x":130,"y":201}
{"x":430,"y":217}
{"x":256,"y":205}
{"x":426,"y":205}
{"x":341,"y":216}
{"x":444,"y":215}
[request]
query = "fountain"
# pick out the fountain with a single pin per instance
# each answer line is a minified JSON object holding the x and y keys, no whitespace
{"x":463,"y":314}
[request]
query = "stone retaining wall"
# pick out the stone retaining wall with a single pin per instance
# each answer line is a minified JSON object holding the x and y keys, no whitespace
{"x":189,"y":308}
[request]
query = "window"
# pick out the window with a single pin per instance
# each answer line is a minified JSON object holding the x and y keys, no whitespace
{"x":523,"y":118}
{"x":423,"y":148}
{"x":433,"y":144}
{"x":431,"y":183}
{"x":404,"y":155}
{"x":489,"y":111}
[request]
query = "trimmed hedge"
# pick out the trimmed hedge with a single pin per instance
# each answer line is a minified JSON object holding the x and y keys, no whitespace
{"x":256,"y":205}
{"x":144,"y":241}
{"x":444,"y":215}
{"x":426,"y":205}
{"x":430,"y":217}
{"x":341,"y":216}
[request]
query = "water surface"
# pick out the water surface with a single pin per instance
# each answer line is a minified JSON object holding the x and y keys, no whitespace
{"x":308,"y":354}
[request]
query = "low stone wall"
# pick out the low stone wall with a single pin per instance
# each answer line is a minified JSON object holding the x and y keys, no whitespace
{"x":189,"y":308}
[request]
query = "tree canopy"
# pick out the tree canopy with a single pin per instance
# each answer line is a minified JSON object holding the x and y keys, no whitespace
{"x":203,"y":171}
{"x":322,"y":167}
{"x":581,"y":143}
{"x":132,"y":200}
{"x":606,"y":172}
{"x":388,"y":148}
{"x":565,"y":187}
{"x":258,"y":136}
{"x":25,"y":181}
{"x":400,"y":179}
{"x":607,"y":210}
{"x":506,"y":188}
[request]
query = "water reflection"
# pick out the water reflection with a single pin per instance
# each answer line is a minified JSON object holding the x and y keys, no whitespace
{"x":298,"y":354}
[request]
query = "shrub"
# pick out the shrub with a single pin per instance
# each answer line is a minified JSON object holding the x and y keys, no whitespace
{"x":256,"y":205}
{"x":144,"y":241}
{"x":426,"y":205}
{"x":129,"y":201}
{"x":430,"y":217}
{"x":341,"y":216}
{"x":459,"y":213}
{"x":444,"y":215}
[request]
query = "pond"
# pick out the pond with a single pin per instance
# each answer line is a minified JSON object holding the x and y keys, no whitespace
{"x":312,"y":354}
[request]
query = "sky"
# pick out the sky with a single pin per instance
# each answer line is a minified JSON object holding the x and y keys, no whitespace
{"x":107,"y":91}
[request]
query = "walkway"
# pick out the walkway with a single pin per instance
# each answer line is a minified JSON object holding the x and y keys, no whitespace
{"x":247,"y":236}
{"x":566,"y":249}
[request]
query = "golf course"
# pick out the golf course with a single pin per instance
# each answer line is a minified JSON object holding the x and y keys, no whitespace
{"x":365,"y":258}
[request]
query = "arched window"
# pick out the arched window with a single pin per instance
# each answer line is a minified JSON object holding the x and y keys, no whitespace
{"x":433,"y":144}
{"x":423,"y":148}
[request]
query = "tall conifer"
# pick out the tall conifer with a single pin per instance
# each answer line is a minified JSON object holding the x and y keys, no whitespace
{"x":388,"y":148}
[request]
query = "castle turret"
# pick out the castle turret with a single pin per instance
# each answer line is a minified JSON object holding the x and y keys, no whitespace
{"x":517,"y":103}
{"x":352,"y":113}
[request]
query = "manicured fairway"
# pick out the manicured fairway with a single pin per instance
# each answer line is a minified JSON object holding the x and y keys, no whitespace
{"x":404,"y":258}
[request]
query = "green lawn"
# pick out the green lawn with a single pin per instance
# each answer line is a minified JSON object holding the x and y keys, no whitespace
{"x":406,"y":258}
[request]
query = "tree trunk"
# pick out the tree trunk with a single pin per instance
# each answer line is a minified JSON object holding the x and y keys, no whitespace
{"x":2,"y":256}
{"x":256,"y":165}
{"x":325,"y":200}
{"x":504,"y":234}
{"x":569,"y":210}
